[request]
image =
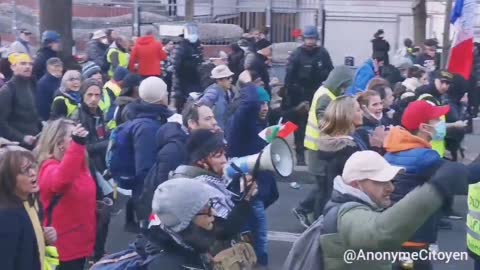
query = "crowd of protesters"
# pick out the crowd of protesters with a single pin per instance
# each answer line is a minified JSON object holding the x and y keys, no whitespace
{"x":159,"y":120}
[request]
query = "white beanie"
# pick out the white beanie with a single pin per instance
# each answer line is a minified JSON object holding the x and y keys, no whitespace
{"x":153,"y":90}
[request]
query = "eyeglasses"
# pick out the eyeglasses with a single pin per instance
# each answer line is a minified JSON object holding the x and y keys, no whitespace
{"x":27,"y":169}
{"x":208,"y":212}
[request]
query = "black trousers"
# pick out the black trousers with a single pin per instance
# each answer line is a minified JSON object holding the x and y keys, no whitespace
{"x":78,"y":264}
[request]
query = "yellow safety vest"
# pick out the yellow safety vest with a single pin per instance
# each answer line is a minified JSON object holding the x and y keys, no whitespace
{"x":437,"y":145}
{"x":473,"y":219}
{"x":71,"y":107}
{"x":122,"y":60}
{"x":108,"y":89}
{"x":312,"y":132}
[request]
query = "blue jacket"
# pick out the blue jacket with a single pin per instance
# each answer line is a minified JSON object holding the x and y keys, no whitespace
{"x":46,"y":88}
{"x":215,"y":97}
{"x":243,"y":139}
{"x":420,"y":164}
{"x":147,"y":119}
{"x":364,"y":74}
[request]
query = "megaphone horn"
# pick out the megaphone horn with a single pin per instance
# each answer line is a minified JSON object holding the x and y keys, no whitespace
{"x":276,"y":157}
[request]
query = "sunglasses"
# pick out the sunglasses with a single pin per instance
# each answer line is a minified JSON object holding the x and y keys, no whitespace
{"x":208,"y":212}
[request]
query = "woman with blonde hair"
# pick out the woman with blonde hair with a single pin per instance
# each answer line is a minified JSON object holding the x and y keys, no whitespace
{"x":336,"y":144}
{"x":68,"y":98}
{"x":68,"y":191}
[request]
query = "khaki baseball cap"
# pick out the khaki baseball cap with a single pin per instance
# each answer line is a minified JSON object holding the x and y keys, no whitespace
{"x":369,"y":165}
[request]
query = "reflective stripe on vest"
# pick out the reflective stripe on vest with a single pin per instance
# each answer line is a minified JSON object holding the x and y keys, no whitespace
{"x":122,"y":60}
{"x":437,"y":145}
{"x":473,"y":219}
{"x":312,"y":132}
{"x":71,"y":107}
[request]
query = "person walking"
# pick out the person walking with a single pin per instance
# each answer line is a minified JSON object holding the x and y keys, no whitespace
{"x":97,"y":48}
{"x":148,"y":54}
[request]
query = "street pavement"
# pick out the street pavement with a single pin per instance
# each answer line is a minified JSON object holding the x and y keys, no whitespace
{"x":284,"y":228}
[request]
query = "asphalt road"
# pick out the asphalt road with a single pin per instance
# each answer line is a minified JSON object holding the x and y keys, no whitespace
{"x":284,"y":228}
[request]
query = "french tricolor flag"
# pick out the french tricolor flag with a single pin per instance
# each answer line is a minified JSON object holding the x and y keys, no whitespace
{"x":461,"y":55}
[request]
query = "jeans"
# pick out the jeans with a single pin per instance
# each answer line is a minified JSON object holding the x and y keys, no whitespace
{"x":476,"y":264}
{"x":257,"y":225}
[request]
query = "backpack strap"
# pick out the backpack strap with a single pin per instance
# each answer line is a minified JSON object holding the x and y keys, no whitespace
{"x":51,"y":207}
{"x":330,"y":219}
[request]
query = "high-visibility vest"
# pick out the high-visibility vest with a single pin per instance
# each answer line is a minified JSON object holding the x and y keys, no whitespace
{"x":122,"y":60}
{"x":473,"y":219}
{"x":110,"y":90}
{"x":312,"y":132}
{"x":437,"y":145}
{"x":71,"y":107}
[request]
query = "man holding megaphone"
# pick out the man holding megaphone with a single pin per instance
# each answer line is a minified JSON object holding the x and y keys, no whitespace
{"x":207,"y":160}
{"x":249,"y":119}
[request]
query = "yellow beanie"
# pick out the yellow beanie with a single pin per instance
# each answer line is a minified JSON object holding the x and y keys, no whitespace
{"x":16,"y":58}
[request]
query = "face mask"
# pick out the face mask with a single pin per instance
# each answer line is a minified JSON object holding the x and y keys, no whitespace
{"x":198,"y":238}
{"x":440,"y":131}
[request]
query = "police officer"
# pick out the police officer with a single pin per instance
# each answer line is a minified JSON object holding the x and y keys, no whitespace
{"x":186,"y":66}
{"x":307,"y":68}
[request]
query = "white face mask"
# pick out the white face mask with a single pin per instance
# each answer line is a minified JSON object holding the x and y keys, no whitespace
{"x":104,"y":40}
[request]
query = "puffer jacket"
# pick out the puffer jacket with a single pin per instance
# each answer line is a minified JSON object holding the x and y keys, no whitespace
{"x":97,"y":52}
{"x":364,"y":74}
{"x":420,"y":162}
{"x":186,"y":64}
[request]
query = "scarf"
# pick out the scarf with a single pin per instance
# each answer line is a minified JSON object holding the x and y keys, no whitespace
{"x":223,"y":206}
{"x":37,"y":227}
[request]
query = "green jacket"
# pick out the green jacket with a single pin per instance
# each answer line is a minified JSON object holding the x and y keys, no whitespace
{"x":368,"y":228}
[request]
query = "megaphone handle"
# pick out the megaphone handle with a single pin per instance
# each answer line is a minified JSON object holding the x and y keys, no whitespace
{"x":257,"y":165}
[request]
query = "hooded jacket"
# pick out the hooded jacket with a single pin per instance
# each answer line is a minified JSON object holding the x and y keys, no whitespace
{"x":420,"y":162}
{"x":171,"y":142}
{"x":367,"y":227}
{"x":341,"y":75}
{"x":149,"y":54}
{"x":243,"y":140}
{"x":18,"y":114}
{"x":147,"y":120}
{"x":364,"y":74}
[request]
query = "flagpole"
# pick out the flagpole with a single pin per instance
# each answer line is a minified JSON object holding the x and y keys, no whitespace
{"x":446,"y":52}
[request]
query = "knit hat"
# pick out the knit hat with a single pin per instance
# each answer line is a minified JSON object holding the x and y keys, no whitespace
{"x":339,"y":76}
{"x":153,"y":90}
{"x":119,"y":74}
{"x":90,"y":69}
{"x":87,"y":84}
{"x":263,"y":95}
{"x":176,"y":202}
{"x":130,"y":81}
{"x":202,"y":143}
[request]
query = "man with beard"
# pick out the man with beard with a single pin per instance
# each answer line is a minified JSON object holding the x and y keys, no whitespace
{"x":308,"y":67}
{"x":19,"y":120}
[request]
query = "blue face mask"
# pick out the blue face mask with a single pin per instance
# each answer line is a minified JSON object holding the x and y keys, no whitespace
{"x":440,"y":131}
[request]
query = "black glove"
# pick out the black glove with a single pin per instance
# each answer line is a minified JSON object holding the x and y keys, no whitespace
{"x":79,"y":140}
{"x":449,"y":178}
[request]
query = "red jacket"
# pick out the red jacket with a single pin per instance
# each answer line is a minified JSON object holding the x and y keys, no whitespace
{"x":149,"y":54}
{"x":74,"y":217}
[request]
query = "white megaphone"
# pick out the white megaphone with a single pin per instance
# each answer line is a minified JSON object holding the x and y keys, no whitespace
{"x":276,"y":157}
